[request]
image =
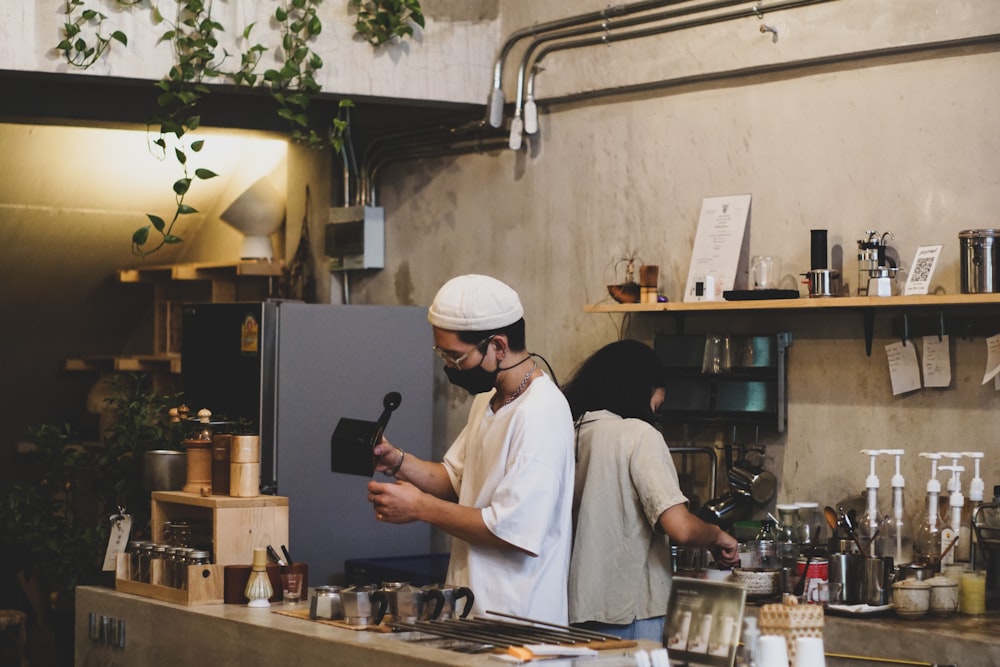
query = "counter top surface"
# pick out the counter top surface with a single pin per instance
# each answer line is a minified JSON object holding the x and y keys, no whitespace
{"x":219,"y":634}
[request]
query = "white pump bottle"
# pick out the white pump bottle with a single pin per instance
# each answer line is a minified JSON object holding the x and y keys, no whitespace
{"x":870,"y":529}
{"x":967,"y":542}
{"x":952,"y":530}
{"x":898,"y":530}
{"x":928,"y":535}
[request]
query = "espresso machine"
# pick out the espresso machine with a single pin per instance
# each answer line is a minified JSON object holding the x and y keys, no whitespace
{"x":876,"y":270}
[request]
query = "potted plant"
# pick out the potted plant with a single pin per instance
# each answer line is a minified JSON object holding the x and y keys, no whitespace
{"x":56,"y":515}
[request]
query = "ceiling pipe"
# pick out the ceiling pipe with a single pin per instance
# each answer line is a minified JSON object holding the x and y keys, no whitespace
{"x":495,"y":102}
{"x":756,"y":10}
{"x":442,"y":139}
{"x":529,"y":124}
{"x":432,"y":152}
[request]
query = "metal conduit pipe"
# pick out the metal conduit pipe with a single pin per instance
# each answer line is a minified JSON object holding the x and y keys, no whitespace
{"x":495,"y":102}
{"x":484,"y":146}
{"x":530,"y":121}
{"x":441,"y":136}
{"x":755,"y":10}
{"x":777,"y":68}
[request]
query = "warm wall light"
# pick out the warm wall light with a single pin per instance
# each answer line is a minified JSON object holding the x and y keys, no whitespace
{"x":257,"y":213}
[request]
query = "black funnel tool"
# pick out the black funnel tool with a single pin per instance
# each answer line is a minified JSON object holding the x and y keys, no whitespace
{"x":353,"y":442}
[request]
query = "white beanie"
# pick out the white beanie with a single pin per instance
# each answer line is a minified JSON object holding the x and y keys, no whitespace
{"x":475,"y":303}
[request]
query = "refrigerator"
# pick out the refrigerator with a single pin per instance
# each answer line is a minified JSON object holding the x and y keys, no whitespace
{"x":292,"y":370}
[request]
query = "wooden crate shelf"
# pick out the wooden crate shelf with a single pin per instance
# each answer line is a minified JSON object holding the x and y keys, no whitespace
{"x":205,"y":584}
{"x":238,"y":525}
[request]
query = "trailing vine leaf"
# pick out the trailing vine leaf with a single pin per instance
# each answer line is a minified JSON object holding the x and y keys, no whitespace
{"x":80,"y":20}
{"x":382,"y":21}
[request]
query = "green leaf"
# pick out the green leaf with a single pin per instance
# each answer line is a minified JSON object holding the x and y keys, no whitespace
{"x":141,"y":235}
{"x":197,"y":145}
{"x":281,"y":15}
{"x":170,"y":238}
{"x":184,"y":209}
{"x":157,"y":222}
{"x":248,"y":29}
{"x":182,"y":185}
{"x":120,"y":37}
{"x":205,"y":174}
{"x":193,"y":122}
{"x":181,"y":156}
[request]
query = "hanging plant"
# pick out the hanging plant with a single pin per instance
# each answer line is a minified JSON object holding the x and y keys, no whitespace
{"x":192,"y":35}
{"x":75,"y":47}
{"x":382,"y":21}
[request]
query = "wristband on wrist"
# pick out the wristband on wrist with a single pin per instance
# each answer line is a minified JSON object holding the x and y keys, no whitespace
{"x":395,"y":468}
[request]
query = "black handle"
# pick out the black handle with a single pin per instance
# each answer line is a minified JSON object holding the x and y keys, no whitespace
{"x":437,"y":597}
{"x":381,"y":602}
{"x":389,"y":404}
{"x":466,"y":593}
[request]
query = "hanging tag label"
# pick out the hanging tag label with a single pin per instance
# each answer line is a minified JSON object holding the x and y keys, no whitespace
{"x":121,"y":526}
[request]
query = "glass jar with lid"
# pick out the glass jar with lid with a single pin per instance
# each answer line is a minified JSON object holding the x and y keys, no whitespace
{"x":157,"y":564}
{"x":132,"y":550}
{"x":790,"y":528}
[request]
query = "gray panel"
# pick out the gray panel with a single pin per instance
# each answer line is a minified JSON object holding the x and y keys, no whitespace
{"x":340,"y":361}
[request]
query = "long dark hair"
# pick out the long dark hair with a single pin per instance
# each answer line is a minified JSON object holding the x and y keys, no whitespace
{"x":620,"y":377}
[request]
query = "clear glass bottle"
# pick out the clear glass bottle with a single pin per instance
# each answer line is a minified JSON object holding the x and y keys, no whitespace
{"x":897,"y":527}
{"x":134,"y":548}
{"x":870,"y":527}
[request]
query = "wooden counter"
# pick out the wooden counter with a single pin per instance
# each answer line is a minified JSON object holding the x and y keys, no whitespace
{"x":163,"y":634}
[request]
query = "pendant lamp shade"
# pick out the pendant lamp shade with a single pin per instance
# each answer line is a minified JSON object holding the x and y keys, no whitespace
{"x":257,"y":213}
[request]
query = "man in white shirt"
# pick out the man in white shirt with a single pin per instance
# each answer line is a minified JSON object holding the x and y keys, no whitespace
{"x":504,"y":491}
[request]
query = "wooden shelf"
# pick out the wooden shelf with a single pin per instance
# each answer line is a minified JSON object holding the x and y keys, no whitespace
{"x":200,"y":271}
{"x":867,"y":305}
{"x":138,"y":363}
{"x":802,"y":303}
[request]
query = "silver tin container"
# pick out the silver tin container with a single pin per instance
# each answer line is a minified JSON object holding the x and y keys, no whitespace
{"x":980,"y":255}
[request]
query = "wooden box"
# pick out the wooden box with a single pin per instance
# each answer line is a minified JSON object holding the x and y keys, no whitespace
{"x":205,"y":584}
{"x":237,"y":524}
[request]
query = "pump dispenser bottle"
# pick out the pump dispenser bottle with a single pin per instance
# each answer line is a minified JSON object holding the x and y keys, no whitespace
{"x":870,"y":529}
{"x":898,"y":530}
{"x":927,"y":545}
{"x":952,"y":530}
{"x":968,"y":545}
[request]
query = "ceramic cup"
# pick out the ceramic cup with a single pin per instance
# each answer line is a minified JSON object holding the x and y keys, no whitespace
{"x":944,"y":596}
{"x":911,"y":598}
{"x":772,"y":651}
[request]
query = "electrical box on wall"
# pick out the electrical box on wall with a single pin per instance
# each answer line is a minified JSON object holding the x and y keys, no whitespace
{"x":355,"y":238}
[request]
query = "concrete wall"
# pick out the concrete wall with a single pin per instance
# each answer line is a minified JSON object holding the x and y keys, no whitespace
{"x":906,"y":143}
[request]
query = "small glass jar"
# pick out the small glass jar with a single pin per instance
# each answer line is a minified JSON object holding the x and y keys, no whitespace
{"x":159,"y":555}
{"x":145,"y":558}
{"x":133,"y":550}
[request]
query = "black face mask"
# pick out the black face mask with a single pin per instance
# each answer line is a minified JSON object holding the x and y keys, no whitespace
{"x":474,"y":380}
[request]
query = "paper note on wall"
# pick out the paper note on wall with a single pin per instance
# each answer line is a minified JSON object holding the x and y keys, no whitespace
{"x":936,"y":361}
{"x":903,"y":368}
{"x":992,"y":358}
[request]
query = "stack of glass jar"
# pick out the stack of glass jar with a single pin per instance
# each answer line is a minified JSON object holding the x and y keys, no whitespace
{"x":166,"y":564}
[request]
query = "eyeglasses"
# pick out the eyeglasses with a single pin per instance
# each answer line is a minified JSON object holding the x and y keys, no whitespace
{"x":457,"y":361}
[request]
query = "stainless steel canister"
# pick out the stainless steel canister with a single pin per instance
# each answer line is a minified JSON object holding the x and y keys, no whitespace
{"x":980,"y":261}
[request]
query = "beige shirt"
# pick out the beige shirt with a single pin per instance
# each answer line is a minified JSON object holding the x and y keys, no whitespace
{"x":625,"y":479}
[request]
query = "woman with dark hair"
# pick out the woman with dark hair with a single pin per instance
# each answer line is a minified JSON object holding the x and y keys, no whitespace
{"x":627,"y":502}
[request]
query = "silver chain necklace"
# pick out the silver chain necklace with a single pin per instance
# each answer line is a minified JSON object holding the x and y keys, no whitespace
{"x":520,"y":387}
